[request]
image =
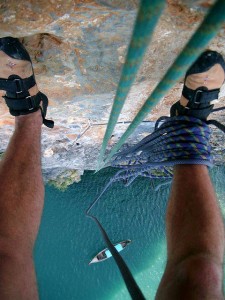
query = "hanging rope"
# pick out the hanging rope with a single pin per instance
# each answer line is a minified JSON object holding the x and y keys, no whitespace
{"x":207,"y":30}
{"x":148,"y":15}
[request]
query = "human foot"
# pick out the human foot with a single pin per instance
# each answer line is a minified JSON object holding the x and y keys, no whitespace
{"x":202,"y":85}
{"x":17,"y":79}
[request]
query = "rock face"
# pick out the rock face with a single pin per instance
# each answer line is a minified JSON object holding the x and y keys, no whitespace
{"x":78,"y":49}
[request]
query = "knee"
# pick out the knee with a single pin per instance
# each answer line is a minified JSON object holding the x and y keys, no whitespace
{"x":201,"y":272}
{"x":196,"y":277}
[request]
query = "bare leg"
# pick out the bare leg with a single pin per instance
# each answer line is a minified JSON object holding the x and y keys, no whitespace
{"x":21,"y":204}
{"x":195,"y":230}
{"x":195,"y":234}
{"x":22,"y":190}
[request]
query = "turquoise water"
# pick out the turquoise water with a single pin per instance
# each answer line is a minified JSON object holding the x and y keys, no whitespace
{"x":68,"y":240}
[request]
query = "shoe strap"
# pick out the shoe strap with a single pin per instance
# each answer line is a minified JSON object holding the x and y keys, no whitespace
{"x":218,"y":109}
{"x":29,"y":104}
{"x":17,"y":85}
{"x":200,"y":113}
{"x":217,"y":124}
{"x":199,"y":96}
{"x":19,"y":104}
{"x":46,"y":122}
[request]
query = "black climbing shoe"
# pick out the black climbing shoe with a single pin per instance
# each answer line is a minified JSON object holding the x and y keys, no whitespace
{"x":199,"y":100}
{"x":14,"y":81}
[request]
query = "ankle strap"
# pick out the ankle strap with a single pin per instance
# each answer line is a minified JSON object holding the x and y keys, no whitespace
{"x":17,"y":85}
{"x":29,"y":104}
{"x":199,"y":96}
{"x":194,"y":111}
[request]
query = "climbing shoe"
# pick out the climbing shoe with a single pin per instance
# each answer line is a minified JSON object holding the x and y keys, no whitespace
{"x":17,"y":79}
{"x":201,"y":86}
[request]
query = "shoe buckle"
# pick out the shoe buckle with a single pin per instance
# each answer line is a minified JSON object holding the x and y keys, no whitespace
{"x":197,"y":94}
{"x":18,"y":85}
{"x":30,"y":102}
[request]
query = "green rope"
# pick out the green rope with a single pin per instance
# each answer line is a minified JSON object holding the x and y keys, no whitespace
{"x":207,"y":30}
{"x":147,"y":18}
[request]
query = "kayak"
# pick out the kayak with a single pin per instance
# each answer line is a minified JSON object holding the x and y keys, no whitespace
{"x":105,"y":254}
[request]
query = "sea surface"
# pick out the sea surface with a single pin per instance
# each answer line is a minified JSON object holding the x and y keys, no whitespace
{"x":68,"y":240}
